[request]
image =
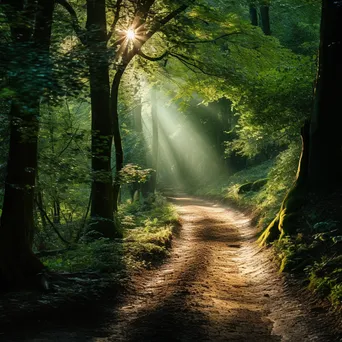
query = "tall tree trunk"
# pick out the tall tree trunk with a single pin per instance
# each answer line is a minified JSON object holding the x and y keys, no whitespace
{"x":320,"y":168}
{"x":56,"y":211}
{"x":253,"y":14}
{"x":138,"y":127}
{"x":265,"y":19}
{"x":155,"y":140}
{"x":117,"y":135}
{"x":326,"y":120}
{"x":41,"y":205}
{"x":17,"y":262}
{"x":101,"y":146}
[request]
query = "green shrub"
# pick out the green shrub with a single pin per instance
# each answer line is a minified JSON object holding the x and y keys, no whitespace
{"x":147,"y":239}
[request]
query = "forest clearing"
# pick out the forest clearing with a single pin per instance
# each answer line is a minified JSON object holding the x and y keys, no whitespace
{"x":170,"y":170}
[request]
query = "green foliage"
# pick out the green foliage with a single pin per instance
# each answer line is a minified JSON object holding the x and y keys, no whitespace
{"x":325,"y":278}
{"x":316,"y":253}
{"x":230,"y":188}
{"x":296,"y":24}
{"x":148,"y":230}
{"x":280,"y":178}
{"x":100,"y":255}
{"x":134,"y":173}
{"x":154,"y":211}
{"x":64,"y":165}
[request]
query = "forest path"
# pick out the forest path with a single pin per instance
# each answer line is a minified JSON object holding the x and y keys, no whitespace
{"x":217,"y":285}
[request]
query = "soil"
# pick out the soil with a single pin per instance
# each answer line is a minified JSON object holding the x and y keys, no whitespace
{"x":217,"y":285}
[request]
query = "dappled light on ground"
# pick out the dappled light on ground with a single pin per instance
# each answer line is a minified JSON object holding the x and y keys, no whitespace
{"x":217,"y":286}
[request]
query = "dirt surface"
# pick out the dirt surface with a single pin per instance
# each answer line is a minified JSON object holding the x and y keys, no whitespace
{"x":218,"y":285}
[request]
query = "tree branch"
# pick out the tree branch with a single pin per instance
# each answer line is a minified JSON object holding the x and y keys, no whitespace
{"x":51,"y":224}
{"x":116,"y":18}
{"x":153,"y":59}
{"x":81,"y":33}
{"x":137,"y":49}
{"x":191,"y":64}
{"x":68,"y":144}
{"x":165,"y":20}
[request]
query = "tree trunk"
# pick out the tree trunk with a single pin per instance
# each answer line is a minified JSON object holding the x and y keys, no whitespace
{"x":265,"y":19}
{"x":320,"y":168}
{"x":285,"y":221}
{"x":326,"y":120}
{"x":17,"y":222}
{"x":253,"y":14}
{"x":117,"y":135}
{"x":56,"y":212}
{"x":138,"y":127}
{"x":102,"y":195}
{"x":41,"y":205}
{"x":18,"y":264}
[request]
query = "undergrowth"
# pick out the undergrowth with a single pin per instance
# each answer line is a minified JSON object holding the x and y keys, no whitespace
{"x":148,"y":229}
{"x":314,"y":253}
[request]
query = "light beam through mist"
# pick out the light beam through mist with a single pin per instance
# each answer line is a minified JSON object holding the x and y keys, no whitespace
{"x":186,"y":155}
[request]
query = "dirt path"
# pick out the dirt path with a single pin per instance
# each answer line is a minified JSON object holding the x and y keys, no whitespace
{"x":217,"y":286}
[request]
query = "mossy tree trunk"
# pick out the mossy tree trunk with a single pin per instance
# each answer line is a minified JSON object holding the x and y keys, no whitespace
{"x":320,"y":168}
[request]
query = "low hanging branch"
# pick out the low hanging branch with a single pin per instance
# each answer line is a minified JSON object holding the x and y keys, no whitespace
{"x":116,"y":18}
{"x":190,"y":63}
{"x":153,"y":59}
{"x":165,"y":20}
{"x":193,"y":65}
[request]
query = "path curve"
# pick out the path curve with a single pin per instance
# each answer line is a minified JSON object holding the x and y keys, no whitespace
{"x":218,"y":285}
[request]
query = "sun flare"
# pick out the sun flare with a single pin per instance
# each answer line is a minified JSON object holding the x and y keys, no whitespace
{"x":130,"y":34}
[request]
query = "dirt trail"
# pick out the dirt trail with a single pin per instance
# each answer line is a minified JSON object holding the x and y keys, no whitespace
{"x":218,"y":285}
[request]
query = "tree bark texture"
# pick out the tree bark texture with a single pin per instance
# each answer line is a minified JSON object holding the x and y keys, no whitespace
{"x":117,"y":134}
{"x":326,"y":120}
{"x":102,"y":134}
